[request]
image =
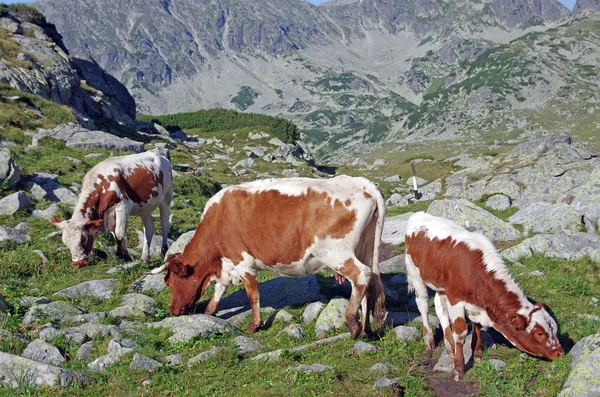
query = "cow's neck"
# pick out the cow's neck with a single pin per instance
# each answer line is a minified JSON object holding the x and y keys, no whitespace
{"x":505,"y":297}
{"x":202,"y":248}
{"x":89,"y":207}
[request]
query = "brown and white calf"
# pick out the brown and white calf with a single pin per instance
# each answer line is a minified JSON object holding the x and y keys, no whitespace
{"x":113,"y":190}
{"x":295,"y":227}
{"x":470,"y":278}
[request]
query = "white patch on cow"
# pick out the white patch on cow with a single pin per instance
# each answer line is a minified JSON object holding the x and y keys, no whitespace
{"x":478,"y":315}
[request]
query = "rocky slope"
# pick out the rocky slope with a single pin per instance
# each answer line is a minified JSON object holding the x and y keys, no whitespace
{"x":351,"y":74}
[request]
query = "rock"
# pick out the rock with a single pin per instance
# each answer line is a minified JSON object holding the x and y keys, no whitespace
{"x":99,"y":289}
{"x":116,"y":349}
{"x":64,"y":196}
{"x":542,"y":217}
{"x":497,"y":364}
{"x":332,"y":317}
{"x":312,"y":311}
{"x":407,"y":334}
{"x":54,"y":311}
{"x":127,"y":311}
{"x":179,"y":245}
{"x":41,"y":255}
{"x":10,"y":174}
{"x":587,"y":198}
{"x":387,"y":383}
{"x":17,"y":234}
{"x":563,"y":246}
{"x":381,"y":368}
{"x":173,"y":360}
{"x":93,"y":317}
{"x":149,"y":283}
{"x":276,"y":142}
{"x":43,"y":352}
{"x":37,"y":192}
{"x":397,"y":200}
{"x":10,"y":204}
{"x":27,"y":301}
{"x":283,"y":315}
{"x":402,"y":318}
{"x":358,"y":163}
{"x":146,"y":383}
{"x":445,"y":363}
{"x":363,"y":347}
{"x":420,"y":181}
{"x":311,"y":369}
{"x":474,"y":218}
{"x":290,"y":174}
{"x":194,"y":326}
{"x":584,"y":378}
{"x":155,"y":244}
{"x":139,"y":301}
{"x":498,"y":202}
{"x":246,"y":345}
{"x":393,"y":178}
{"x":294,"y":330}
{"x":47,"y":332}
{"x":77,"y":136}
{"x":48,"y":213}
{"x":394,"y":229}
{"x":247,"y":163}
{"x":18,"y":372}
{"x":115,"y":269}
{"x":7,"y":335}
{"x":395,"y":264}
{"x":85,"y":351}
{"x":205,"y":355}
{"x":144,"y":363}
{"x":92,"y":330}
{"x":276,"y":354}
{"x":379,"y":162}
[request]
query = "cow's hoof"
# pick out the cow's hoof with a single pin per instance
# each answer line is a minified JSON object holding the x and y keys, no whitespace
{"x":354,"y":328}
{"x":477,"y":356}
{"x":456,"y":374}
{"x":252,"y":328}
{"x":430,"y":344}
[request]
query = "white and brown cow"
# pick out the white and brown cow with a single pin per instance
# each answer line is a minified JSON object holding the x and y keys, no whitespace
{"x":470,"y":278}
{"x":295,"y":227}
{"x":113,"y":190}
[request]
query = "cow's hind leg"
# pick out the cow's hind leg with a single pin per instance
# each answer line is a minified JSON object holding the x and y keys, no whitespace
{"x":148,"y":234}
{"x":441,"y":309}
{"x":165,"y":211}
{"x":459,"y":333}
{"x":121,"y":217}
{"x":251,"y":286}
{"x":477,"y":343}
{"x":358,"y":274}
{"x":422,"y":298}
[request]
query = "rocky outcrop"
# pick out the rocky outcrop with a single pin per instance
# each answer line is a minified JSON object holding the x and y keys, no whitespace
{"x":80,"y":137}
{"x":18,"y":371}
{"x":10,"y":174}
{"x":563,"y":246}
{"x":584,"y":378}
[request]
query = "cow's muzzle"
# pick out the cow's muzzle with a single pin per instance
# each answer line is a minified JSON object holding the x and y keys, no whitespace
{"x":82,"y":263}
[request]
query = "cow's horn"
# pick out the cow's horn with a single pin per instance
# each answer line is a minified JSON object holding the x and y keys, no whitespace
{"x":158,"y":269}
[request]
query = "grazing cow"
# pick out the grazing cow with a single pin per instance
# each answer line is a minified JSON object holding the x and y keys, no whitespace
{"x":470,"y":278}
{"x":295,"y":227}
{"x":112,"y":191}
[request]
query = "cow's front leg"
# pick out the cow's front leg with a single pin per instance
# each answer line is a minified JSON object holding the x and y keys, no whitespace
{"x":148,"y":234}
{"x":477,"y":343}
{"x":459,"y":333}
{"x":165,"y":211}
{"x":251,"y":286}
{"x":212,"y":306}
{"x":121,"y":215}
{"x":422,"y":299}
{"x":441,"y":309}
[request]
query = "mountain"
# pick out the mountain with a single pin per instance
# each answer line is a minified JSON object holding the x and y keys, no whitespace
{"x":585,"y":5}
{"x":351,"y":74}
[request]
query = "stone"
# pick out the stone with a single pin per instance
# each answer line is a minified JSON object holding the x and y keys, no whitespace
{"x":445,"y":363}
{"x":474,"y":219}
{"x":126,"y":266}
{"x":379,"y":162}
{"x":587,"y":198}
{"x":99,"y":289}
{"x":43,"y":352}
{"x":394,"y":229}
{"x":48,"y":213}
{"x":284,"y":316}
{"x":85,"y":351}
{"x":393,"y":178}
{"x":146,"y":383}
{"x":407,"y":334}
{"x":357,"y":162}
{"x":194,"y":326}
{"x":19,"y":372}
{"x":562,"y":246}
{"x":42,"y":256}
{"x":420,"y":181}
{"x":393,"y":265}
{"x":205,"y":355}
{"x":381,"y":368}
{"x":247,"y":163}
{"x":93,"y":317}
{"x":37,"y":192}
{"x":92,"y":330}
{"x":584,"y":378}
{"x":64,"y":196}
{"x":275,"y":355}
{"x":276,"y":142}
{"x":497,"y":364}
{"x":54,"y":311}
{"x":149,"y":283}
{"x":143,"y":363}
{"x":7,"y":335}
{"x":290,"y":174}
{"x":17,"y":234}
{"x":139,"y":301}
{"x":47,"y":332}
{"x":311,"y":369}
{"x":498,"y":202}
{"x":294,"y":330}
{"x":10,"y":174}
{"x":77,"y":136}
{"x":12,"y":203}
{"x":387,"y":383}
{"x":27,"y":301}
{"x":246,"y":345}
{"x":542,"y":217}
{"x":363,"y":347}
{"x":116,"y":349}
{"x":311,"y":312}
{"x":332,"y":317}
{"x":127,"y":311}
{"x":173,"y":360}
{"x":396,"y":201}
{"x":180,"y":244}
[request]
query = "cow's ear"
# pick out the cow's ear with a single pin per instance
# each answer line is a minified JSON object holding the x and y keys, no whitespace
{"x":94,"y":226}
{"x":56,"y":221}
{"x":517,"y":321}
{"x":179,"y":268}
{"x":539,"y":305}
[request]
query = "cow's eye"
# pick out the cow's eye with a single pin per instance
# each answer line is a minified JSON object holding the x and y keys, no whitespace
{"x":540,"y":335}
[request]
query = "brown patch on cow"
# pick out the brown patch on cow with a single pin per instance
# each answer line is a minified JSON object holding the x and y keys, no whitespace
{"x":350,"y":271}
{"x":459,"y":326}
{"x":347,"y":203}
{"x":367,"y":195}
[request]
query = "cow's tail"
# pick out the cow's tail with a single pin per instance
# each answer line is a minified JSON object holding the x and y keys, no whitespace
{"x":376,"y":292}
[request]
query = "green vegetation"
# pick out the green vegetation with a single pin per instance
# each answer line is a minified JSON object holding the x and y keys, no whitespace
{"x":244,"y":98}
{"x":213,"y":120}
{"x":342,"y":82}
{"x":24,"y":12}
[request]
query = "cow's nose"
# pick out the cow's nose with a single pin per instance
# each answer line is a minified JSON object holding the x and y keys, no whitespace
{"x":82,"y":263}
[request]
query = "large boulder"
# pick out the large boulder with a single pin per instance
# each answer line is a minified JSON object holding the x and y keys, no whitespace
{"x":563,"y":246}
{"x":17,"y":234}
{"x":584,"y":378}
{"x":543,"y":217}
{"x":43,"y":352}
{"x":179,"y":245}
{"x":12,"y":203}
{"x":332,"y":317}
{"x":195,"y":326}
{"x":474,"y":219}
{"x":54,"y":311}
{"x":9,"y":172}
{"x":99,"y":289}
{"x":77,"y":136}
{"x":587,"y":198}
{"x":394,"y":229}
{"x":18,"y":371}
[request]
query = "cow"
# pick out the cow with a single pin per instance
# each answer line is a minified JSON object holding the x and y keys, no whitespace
{"x":294,"y":227}
{"x":113,"y":190}
{"x":470,"y":278}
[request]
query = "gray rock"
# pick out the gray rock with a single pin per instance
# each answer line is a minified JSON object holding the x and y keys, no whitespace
{"x":115,"y":269}
{"x":93,"y":317}
{"x":563,"y":246}
{"x":498,"y":202}
{"x":407,"y":334}
{"x":584,"y":378}
{"x":311,"y":369}
{"x":332,"y":317}
{"x":18,"y":372}
{"x":312,"y":311}
{"x":542,"y":217}
{"x":10,"y":174}
{"x":17,"y":234}
{"x":397,"y":200}
{"x":144,"y":363}
{"x":64,"y":196}
{"x":474,"y":218}
{"x":54,"y":311}
{"x":43,"y":352}
{"x":127,"y":311}
{"x":195,"y":326}
{"x":387,"y":383}
{"x":116,"y":349}
{"x":79,"y":137}
{"x":294,"y":330}
{"x":247,"y":163}
{"x":47,"y":332}
{"x":173,"y":360}
{"x":85,"y":351}
{"x":358,"y":163}
{"x":139,"y":301}
{"x":27,"y":301}
{"x":149,"y":283}
{"x":37,"y":192}
{"x":379,"y":162}
{"x":48,"y":213}
{"x":205,"y":355}
{"x":155,"y":244}
{"x":284,"y":316}
{"x":587,"y":198}
{"x":290,"y":174}
{"x":363,"y":347}
{"x":41,"y":255}
{"x":445,"y":363}
{"x":394,"y":229}
{"x":146,"y":383}
{"x":10,"y":204}
{"x":246,"y":345}
{"x":395,"y":264}
{"x":92,"y":330}
{"x":276,"y":142}
{"x":497,"y":364}
{"x":393,"y":178}
{"x":420,"y":181}
{"x":381,"y":368}
{"x":7,"y":335}
{"x":276,"y":354}
{"x":179,"y":244}
{"x":99,"y":289}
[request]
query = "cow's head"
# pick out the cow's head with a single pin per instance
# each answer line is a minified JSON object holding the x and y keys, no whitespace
{"x":78,"y":236}
{"x":534,"y":334}
{"x":187,"y":283}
